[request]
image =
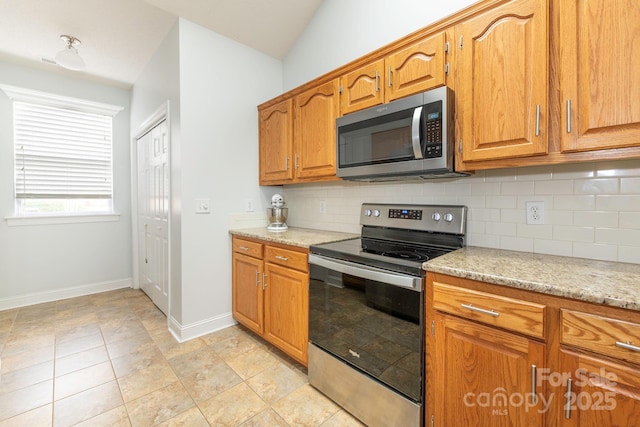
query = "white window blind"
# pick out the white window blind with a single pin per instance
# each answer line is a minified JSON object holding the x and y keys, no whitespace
{"x":62,"y":153}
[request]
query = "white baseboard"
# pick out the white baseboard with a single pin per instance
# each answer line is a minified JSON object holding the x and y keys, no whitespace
{"x":64,"y":293}
{"x":184,"y":333}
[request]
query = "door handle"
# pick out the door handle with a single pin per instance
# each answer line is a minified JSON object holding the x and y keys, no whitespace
{"x":415,"y":133}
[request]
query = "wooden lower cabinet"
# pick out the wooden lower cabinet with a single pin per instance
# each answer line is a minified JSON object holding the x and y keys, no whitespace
{"x":597,"y":392}
{"x":484,"y":361}
{"x":286,"y":310}
{"x":247,"y":292}
{"x":484,"y":376}
{"x":270,"y":293}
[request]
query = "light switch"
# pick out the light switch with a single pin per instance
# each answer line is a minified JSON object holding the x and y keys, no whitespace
{"x":202,"y":206}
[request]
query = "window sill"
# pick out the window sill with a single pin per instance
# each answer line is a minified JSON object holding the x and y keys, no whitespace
{"x":13,"y":221}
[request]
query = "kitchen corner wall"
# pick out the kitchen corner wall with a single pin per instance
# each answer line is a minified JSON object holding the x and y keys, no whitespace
{"x":592,"y":210}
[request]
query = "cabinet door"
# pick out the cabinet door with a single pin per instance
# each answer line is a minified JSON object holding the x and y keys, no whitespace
{"x":316,"y":111}
{"x":484,"y":376}
{"x":286,"y":310}
{"x":276,"y":143}
{"x":599,"y":83}
{"x":247,"y":292}
{"x":601,"y":393}
{"x":362,"y":88}
{"x":416,"y":68}
{"x":502,"y":96}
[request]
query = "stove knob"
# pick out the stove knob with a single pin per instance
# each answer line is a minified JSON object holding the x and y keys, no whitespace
{"x":448,"y":217}
{"x":436,"y":216}
{"x":376,"y":213}
{"x":367,"y":212}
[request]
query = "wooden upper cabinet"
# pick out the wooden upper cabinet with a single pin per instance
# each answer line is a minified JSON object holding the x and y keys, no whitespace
{"x":416,"y":68}
{"x":502,"y":81}
{"x":276,"y":143}
{"x":316,"y":111}
{"x":599,"y":74}
{"x":363,"y":87}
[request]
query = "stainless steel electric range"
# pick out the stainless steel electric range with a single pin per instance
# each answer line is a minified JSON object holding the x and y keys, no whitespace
{"x":366,"y":310}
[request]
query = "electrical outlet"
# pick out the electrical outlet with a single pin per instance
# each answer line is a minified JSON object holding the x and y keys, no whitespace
{"x":535,"y":212}
{"x":323,"y":207}
{"x":248,"y":205}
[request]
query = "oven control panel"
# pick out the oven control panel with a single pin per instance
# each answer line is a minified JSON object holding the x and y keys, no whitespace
{"x":406,"y":213}
{"x":436,"y":218}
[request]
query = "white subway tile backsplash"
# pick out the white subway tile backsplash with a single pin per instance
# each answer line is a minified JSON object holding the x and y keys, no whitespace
{"x":516,"y":244}
{"x":517,"y":188}
{"x":597,"y":186}
{"x":621,"y":203}
{"x":619,"y":168}
{"x":629,"y":254}
{"x":552,"y":247}
{"x":500,"y":202}
{"x":534,"y":173}
{"x":592,"y":210}
{"x":618,"y":236}
{"x":535,"y":231}
{"x":554,"y":187}
{"x":630,"y":220}
{"x":630,"y":185}
{"x":574,"y":234}
{"x":501,"y":228}
{"x":595,"y":251}
{"x":595,"y":218}
{"x":574,"y":203}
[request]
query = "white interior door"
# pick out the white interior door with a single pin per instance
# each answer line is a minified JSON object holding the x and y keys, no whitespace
{"x":153,"y":214}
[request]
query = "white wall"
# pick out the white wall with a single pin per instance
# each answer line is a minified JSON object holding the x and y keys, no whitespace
{"x":46,"y":262}
{"x":214,"y":85}
{"x":592,"y":210}
{"x":221,"y":84}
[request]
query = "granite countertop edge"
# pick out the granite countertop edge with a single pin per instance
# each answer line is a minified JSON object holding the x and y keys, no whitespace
{"x":294,"y":236}
{"x":601,"y":282}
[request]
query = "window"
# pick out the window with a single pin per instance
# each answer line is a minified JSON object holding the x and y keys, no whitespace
{"x":63,"y":154}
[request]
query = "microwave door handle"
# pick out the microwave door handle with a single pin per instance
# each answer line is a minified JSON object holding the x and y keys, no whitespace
{"x":415,"y":133}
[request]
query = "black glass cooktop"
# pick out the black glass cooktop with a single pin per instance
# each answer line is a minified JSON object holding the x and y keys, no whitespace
{"x":394,"y":256}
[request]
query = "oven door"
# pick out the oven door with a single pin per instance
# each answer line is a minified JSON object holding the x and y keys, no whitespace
{"x":369,"y":323}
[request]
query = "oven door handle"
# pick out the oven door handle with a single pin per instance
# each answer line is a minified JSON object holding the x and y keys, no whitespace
{"x":366,"y":272}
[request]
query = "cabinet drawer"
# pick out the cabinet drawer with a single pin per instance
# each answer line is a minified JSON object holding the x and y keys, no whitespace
{"x":287,"y":258}
{"x":611,"y":337}
{"x":508,"y":313}
{"x":247,"y":247}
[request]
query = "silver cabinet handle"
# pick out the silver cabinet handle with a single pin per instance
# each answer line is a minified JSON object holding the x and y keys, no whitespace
{"x":286,"y":164}
{"x":538,"y":120}
{"x":264,"y":281}
{"x":480,"y":310}
{"x":567,"y":406}
{"x":257,"y":278}
{"x":377,"y":82}
{"x":446,"y":47}
{"x":627,"y":346}
{"x":534,"y":396}
{"x":243,"y":248}
{"x":281,"y":258}
{"x":568,"y":116}
{"x":415,"y":133}
{"x":389,"y":77}
{"x":295,"y":161}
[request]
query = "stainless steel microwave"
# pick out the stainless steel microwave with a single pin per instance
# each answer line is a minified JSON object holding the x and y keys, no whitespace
{"x":407,"y":138}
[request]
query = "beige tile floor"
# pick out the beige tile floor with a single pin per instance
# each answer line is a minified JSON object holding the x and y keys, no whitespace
{"x":108,"y":360}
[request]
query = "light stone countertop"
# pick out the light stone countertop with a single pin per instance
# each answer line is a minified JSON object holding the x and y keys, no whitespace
{"x":294,"y":236}
{"x":610,"y":283}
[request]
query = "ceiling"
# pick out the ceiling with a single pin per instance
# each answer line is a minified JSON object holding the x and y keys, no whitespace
{"x":119,"y":37}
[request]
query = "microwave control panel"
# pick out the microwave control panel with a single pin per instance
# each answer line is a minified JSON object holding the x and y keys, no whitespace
{"x":433,"y":129}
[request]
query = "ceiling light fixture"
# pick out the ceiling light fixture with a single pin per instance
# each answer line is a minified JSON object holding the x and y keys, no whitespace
{"x":69,"y":57}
